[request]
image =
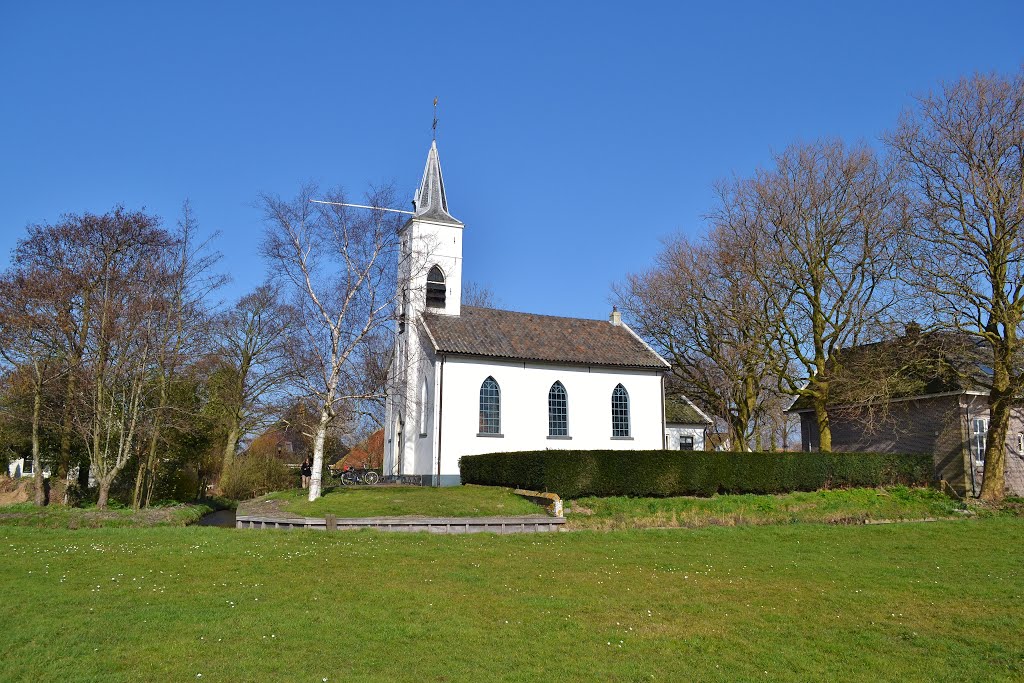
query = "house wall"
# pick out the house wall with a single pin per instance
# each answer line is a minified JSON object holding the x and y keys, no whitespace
{"x":674,"y":431}
{"x":524,"y":390}
{"x":939,"y":425}
{"x":16,"y":468}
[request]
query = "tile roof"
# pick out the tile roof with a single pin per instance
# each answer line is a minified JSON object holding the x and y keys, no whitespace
{"x":525,"y":336}
{"x":917,"y":364}
{"x":681,"y":411}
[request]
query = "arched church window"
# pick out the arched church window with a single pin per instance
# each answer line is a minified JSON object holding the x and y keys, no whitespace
{"x":490,"y":407}
{"x":436,"y":288}
{"x":620,"y":411}
{"x":423,"y":408}
{"x":558,"y":411}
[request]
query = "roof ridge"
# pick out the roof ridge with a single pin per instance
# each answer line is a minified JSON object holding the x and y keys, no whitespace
{"x":538,"y":315}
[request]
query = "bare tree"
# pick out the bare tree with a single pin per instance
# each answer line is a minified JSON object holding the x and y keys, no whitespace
{"x":474,"y":294}
{"x":28,"y":344}
{"x":964,"y":147}
{"x":178,"y":333}
{"x":253,"y":339}
{"x":120,"y":253}
{"x":341,"y":267}
{"x":699,"y":307}
{"x":827,"y":235}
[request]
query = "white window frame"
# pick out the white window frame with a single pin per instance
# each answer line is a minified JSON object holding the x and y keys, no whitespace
{"x":979,"y":437}
{"x":481,"y":431}
{"x":625,"y":431}
{"x":423,"y":408}
{"x":558,"y":410}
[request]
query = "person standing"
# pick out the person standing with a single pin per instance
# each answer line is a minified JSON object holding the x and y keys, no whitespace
{"x":307,"y":472}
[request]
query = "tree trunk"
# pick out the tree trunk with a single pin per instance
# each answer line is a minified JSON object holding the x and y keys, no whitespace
{"x":140,"y":475}
{"x":824,"y":426}
{"x":993,"y":485}
{"x":64,"y":457}
{"x":37,"y":404}
{"x":230,"y":446}
{"x":104,"y":493}
{"x":318,"y":454}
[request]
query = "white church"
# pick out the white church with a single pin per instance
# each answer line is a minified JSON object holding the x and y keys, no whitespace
{"x":466,"y":380}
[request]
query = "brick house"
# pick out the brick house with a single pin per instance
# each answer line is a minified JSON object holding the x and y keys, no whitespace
{"x":934,"y":402}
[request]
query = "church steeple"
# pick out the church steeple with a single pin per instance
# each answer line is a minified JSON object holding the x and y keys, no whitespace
{"x":430,"y":203}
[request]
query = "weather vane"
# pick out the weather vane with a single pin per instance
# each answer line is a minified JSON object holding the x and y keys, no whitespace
{"x":434,"y":126}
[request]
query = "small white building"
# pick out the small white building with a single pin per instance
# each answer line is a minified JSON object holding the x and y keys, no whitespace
{"x":466,"y":380}
{"x":19,"y":467}
{"x":686,"y":425}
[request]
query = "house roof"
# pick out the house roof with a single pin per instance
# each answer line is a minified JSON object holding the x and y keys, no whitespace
{"x":431,"y":202}
{"x":369,"y":452}
{"x":911,"y":366}
{"x":682,"y":411}
{"x":495,"y":333}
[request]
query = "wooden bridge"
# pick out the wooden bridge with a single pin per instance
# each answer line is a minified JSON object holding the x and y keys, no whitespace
{"x":434,"y":525}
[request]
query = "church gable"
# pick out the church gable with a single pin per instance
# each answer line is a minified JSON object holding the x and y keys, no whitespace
{"x":494,"y":333}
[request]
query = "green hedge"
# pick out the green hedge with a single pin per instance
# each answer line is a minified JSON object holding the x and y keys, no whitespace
{"x":572,"y":474}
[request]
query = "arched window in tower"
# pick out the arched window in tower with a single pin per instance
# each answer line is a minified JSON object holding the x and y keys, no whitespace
{"x":620,"y":412}
{"x":423,"y":408}
{"x":436,"y":288}
{"x":558,"y":411}
{"x":490,"y":407}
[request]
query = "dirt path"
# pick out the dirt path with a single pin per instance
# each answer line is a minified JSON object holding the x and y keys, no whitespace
{"x":259,"y":507}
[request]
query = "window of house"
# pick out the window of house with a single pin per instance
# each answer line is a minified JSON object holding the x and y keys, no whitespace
{"x":436,"y":288}
{"x":979,"y":430}
{"x":620,"y":411}
{"x":490,"y":407}
{"x":685,"y":443}
{"x":558,"y":411}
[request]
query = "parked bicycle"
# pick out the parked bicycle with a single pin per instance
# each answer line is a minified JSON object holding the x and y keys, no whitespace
{"x":350,"y":476}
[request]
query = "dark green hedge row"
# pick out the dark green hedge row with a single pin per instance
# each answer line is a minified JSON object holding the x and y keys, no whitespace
{"x":572,"y":474}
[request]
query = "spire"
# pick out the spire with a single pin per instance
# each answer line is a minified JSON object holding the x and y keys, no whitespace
{"x":431,"y":203}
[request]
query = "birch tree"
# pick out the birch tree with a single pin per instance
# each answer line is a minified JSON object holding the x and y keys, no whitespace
{"x":341,"y":267}
{"x":964,"y":147}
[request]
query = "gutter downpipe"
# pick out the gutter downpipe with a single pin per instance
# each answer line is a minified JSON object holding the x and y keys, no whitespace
{"x":664,"y":436}
{"x":440,"y":417}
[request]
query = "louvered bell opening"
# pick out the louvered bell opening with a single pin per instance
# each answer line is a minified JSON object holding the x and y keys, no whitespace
{"x":436,"y":288}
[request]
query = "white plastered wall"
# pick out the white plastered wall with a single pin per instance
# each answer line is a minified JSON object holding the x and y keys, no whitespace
{"x":673,"y":432}
{"x":524,"y":408}
{"x":424,"y":244}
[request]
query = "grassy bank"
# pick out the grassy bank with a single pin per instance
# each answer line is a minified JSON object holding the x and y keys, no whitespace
{"x":60,"y":517}
{"x":390,"y":501}
{"x":921,"y":602}
{"x":842,"y":506}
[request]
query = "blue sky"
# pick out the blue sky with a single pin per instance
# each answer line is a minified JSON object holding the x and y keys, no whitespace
{"x":573,"y":136}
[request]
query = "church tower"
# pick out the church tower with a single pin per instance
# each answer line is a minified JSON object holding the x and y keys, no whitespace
{"x":432,"y":247}
{"x":430,"y":277}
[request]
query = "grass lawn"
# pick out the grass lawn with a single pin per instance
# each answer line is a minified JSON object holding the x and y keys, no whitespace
{"x":60,"y":517}
{"x":935,"y":601}
{"x":842,"y":506}
{"x":391,"y":501}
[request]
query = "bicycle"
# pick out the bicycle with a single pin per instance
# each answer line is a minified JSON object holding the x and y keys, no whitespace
{"x":352,"y":476}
